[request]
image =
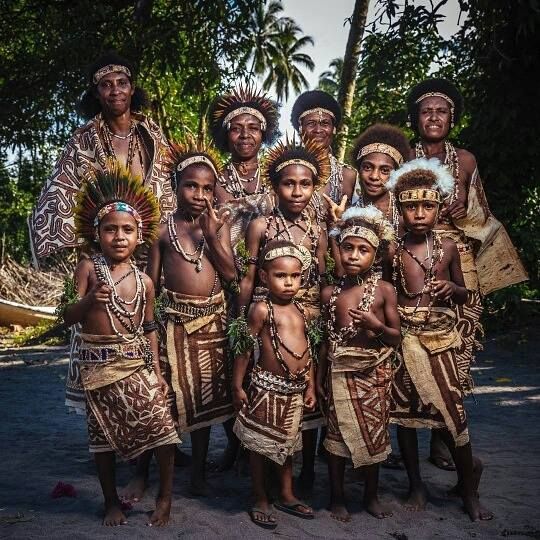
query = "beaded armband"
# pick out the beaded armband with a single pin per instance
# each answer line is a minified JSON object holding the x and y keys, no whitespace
{"x":149,"y":326}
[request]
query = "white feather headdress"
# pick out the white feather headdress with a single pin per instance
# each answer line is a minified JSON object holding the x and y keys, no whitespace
{"x":444,"y":181}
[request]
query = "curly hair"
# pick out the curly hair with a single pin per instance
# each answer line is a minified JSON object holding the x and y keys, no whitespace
{"x":89,"y":104}
{"x":311,"y":100}
{"x":381,"y":133}
{"x":246,"y":96}
{"x":442,"y":86}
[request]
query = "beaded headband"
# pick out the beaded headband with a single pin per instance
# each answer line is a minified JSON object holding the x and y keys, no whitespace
{"x":318,"y":110}
{"x":118,"y":206}
{"x":297,"y":161}
{"x":383,"y":149}
{"x":195,"y":159}
{"x":111,"y":68}
{"x":360,"y":232}
{"x":435,"y":94}
{"x":413,"y":195}
{"x":286,"y":251}
{"x":245,"y":110}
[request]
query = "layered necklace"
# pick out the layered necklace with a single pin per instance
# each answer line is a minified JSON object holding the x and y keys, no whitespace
{"x":133,"y":144}
{"x":277,"y":341}
{"x":451,"y":162}
{"x":368,"y":297}
{"x":194,"y":257}
{"x":433,"y":257}
{"x":235,"y":185}
{"x":392,"y":213}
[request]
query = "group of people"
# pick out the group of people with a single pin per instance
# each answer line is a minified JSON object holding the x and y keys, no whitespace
{"x":287,"y":296}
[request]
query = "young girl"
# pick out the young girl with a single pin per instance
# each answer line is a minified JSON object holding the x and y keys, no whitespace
{"x":127,"y":411}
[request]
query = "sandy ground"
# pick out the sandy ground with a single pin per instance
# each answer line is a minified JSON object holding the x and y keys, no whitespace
{"x":42,"y":444}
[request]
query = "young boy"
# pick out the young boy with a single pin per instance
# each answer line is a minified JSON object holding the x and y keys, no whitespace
{"x":294,"y":172}
{"x":270,"y":414}
{"x":428,"y":278}
{"x":193,"y":254}
{"x":125,"y":393}
{"x":363,"y":326}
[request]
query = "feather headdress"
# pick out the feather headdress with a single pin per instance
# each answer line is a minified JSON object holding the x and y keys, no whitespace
{"x":115,"y":189}
{"x":422,"y":173}
{"x":366,"y":222}
{"x":311,"y":154}
{"x":243,"y":99}
{"x":190,"y":152}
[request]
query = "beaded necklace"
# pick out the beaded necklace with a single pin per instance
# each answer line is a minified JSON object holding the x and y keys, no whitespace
{"x":133,"y":145}
{"x":189,"y":257}
{"x":115,"y":306}
{"x":312,"y":232}
{"x":277,"y":341}
{"x":335,"y":180}
{"x":368,"y":297}
{"x":235,"y":183}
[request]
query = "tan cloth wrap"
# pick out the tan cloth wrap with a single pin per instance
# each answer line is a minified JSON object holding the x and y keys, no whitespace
{"x":420,"y":349}
{"x":359,"y":410}
{"x":271,"y":423}
{"x":98,"y":374}
{"x":497,"y":261}
{"x":199,"y":367}
{"x":127,"y":411}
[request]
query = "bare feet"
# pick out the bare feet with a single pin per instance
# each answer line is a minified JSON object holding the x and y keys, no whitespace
{"x":338,"y":511}
{"x":417,"y":499}
{"x":377,"y":509}
{"x":161,"y":514}
{"x":135,"y":489}
{"x":200,"y":488}
{"x":478,"y":468}
{"x":114,"y":515}
{"x":474,"y":508}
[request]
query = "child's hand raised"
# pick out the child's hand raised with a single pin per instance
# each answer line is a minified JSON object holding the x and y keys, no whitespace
{"x":211,"y":221}
{"x":239,"y":399}
{"x":365,"y":320}
{"x":100,"y":293}
{"x":443,"y":289}
{"x":456,"y":210}
{"x":335,"y":210}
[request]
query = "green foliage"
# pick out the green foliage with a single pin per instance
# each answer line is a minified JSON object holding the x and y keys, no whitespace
{"x":240,"y":340}
{"x":39,"y":333}
{"x":70,"y":296}
{"x":316,"y":334}
{"x":241,"y":258}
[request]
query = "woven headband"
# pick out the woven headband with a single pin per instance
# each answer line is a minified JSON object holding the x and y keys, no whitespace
{"x":297,"y":161}
{"x":244,"y":110}
{"x":435,"y":94}
{"x":111,"y":68}
{"x":118,"y":206}
{"x":318,"y":110}
{"x":383,"y":149}
{"x":413,"y":195}
{"x":360,"y":232}
{"x":196,"y":159}
{"x":286,"y":251}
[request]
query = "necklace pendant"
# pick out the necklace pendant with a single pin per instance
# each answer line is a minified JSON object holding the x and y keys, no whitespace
{"x":198,"y":266}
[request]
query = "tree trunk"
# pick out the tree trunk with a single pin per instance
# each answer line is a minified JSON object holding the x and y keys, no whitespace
{"x":350,"y":68}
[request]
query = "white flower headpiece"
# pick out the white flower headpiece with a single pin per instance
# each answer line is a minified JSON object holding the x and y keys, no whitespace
{"x":444,"y":181}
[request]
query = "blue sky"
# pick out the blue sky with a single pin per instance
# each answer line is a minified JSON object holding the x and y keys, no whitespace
{"x":323,"y":20}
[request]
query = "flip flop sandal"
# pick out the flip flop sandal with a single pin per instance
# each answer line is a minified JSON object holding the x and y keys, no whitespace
{"x":292,"y":509}
{"x":270,"y":525}
{"x":442,"y":463}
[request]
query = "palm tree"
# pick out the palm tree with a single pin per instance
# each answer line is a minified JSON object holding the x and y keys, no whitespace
{"x":329,"y":80}
{"x":277,"y":48}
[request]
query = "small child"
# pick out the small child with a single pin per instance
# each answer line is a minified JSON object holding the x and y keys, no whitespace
{"x":193,"y":254}
{"x":294,"y":171}
{"x":363,"y":326}
{"x":127,"y":411}
{"x":428,"y":278}
{"x":270,"y":414}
